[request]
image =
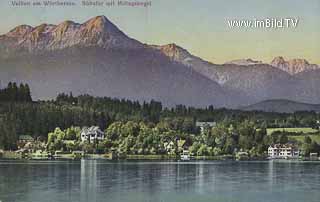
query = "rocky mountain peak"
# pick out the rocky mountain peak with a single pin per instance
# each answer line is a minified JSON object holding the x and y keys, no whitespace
{"x":101,"y":24}
{"x":171,"y":46}
{"x":279,"y":60}
{"x":298,"y":62}
{"x":61,"y":29}
{"x":293,"y":66}
{"x":66,"y":24}
{"x":98,"y":31}
{"x":98,"y":20}
{"x":97,"y":23}
{"x":20,"y":31}
{"x":170,"y":49}
{"x":174,"y":52}
{"x":38,"y":32}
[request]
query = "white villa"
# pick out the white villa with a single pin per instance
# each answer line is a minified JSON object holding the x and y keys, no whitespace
{"x":91,"y":134}
{"x":283,"y":151}
{"x":204,"y":125}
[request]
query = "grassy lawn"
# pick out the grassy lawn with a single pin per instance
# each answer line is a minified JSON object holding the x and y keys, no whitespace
{"x":293,"y":130}
{"x":300,"y":138}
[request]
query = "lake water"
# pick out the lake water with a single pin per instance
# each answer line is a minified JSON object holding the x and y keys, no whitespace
{"x":201,"y":181}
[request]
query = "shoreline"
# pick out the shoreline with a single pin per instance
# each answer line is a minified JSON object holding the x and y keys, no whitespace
{"x":12,"y":155}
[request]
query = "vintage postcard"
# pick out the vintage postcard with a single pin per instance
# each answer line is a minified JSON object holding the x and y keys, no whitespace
{"x":159,"y":100}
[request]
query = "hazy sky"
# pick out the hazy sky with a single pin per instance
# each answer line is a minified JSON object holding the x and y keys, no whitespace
{"x":200,"y":26}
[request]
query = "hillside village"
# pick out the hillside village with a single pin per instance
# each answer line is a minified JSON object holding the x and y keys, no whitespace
{"x":92,"y":142}
{"x":92,"y":127}
{"x":75,"y":143}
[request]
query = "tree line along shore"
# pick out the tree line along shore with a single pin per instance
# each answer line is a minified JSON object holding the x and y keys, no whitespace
{"x":135,"y":129}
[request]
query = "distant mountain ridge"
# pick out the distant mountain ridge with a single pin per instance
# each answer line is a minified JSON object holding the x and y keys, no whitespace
{"x":244,"y":62}
{"x":258,"y":81}
{"x":96,"y":57}
{"x":98,"y":31}
{"x":293,"y":66}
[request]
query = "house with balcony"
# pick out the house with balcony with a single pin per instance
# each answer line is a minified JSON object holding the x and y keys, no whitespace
{"x":283,"y":151}
{"x":92,"y":134}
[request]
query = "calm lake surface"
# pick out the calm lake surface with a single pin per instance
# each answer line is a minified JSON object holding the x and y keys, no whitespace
{"x":140,"y":181}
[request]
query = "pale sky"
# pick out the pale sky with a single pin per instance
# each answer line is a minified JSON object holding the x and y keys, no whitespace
{"x":200,"y":26}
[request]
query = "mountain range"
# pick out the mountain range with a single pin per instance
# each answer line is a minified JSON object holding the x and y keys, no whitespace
{"x":97,"y":58}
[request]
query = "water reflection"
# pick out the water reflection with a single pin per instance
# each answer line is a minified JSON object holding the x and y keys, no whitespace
{"x":89,"y":180}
